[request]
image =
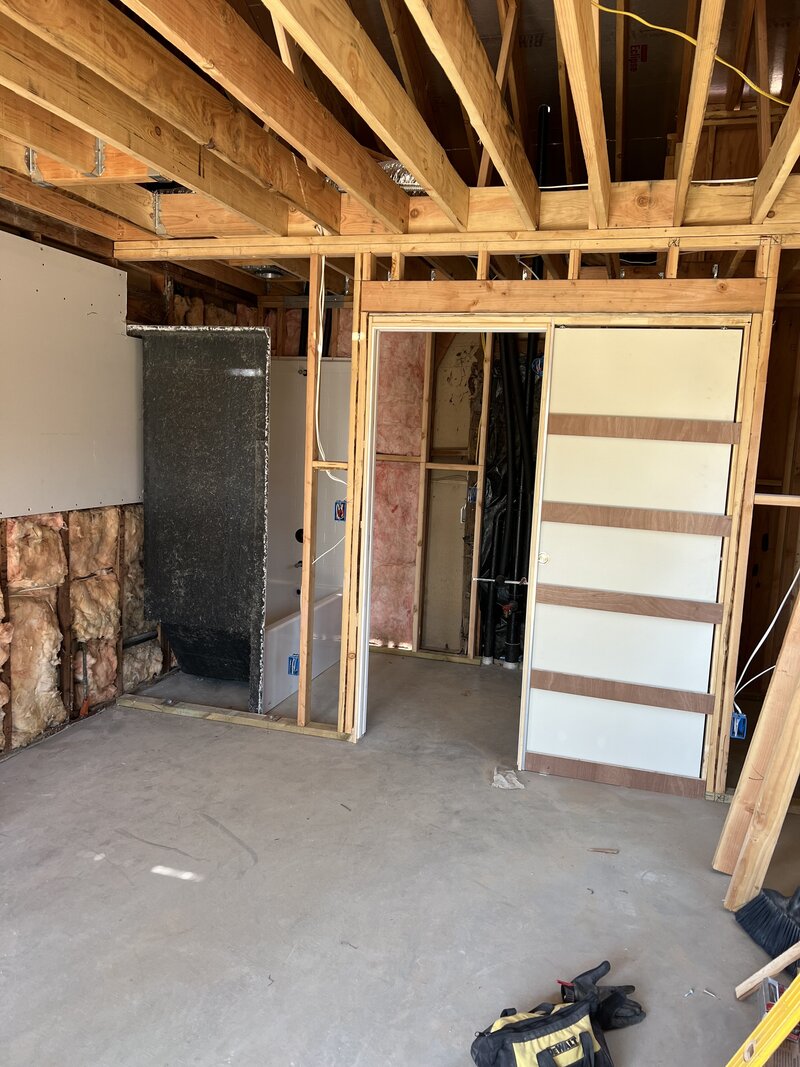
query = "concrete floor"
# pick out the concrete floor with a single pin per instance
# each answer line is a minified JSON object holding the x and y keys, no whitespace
{"x":184,"y":892}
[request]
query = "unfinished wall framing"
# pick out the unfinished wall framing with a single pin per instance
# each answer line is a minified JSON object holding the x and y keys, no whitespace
{"x":398,"y":306}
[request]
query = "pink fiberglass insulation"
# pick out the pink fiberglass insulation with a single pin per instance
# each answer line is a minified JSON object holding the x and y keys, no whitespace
{"x":6,"y":631}
{"x":401,"y":374}
{"x":134,"y":621}
{"x":140,"y":664}
{"x":34,"y":666}
{"x":217,"y":316}
{"x":396,"y":504}
{"x":344,"y":338}
{"x":101,"y":666}
{"x":36,"y":557}
{"x":93,"y":538}
{"x":95,"y":607}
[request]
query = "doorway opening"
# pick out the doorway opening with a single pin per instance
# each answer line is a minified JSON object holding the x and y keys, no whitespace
{"x":452,"y":443}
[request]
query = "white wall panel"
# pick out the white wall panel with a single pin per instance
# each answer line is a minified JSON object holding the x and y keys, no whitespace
{"x":667,"y":373}
{"x":630,"y":561}
{"x":609,"y":731}
{"x":71,"y":381}
{"x":672,"y":475}
{"x":625,"y":648}
{"x":286,"y":470}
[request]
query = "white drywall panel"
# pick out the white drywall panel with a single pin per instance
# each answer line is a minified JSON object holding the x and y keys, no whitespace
{"x":651,"y":562}
{"x":610,"y":731}
{"x":621,"y":472}
{"x":71,"y":428}
{"x":665,"y":373}
{"x":286,"y":467}
{"x":670,"y":653}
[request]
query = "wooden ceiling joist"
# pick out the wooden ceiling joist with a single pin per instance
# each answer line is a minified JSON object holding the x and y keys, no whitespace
{"x":579,"y":42}
{"x":130,"y":202}
{"x":114,"y":167}
{"x":779,"y":163}
{"x":57,"y":205}
{"x":404,"y":45}
{"x":33,"y":127}
{"x":213,"y":36}
{"x":55,"y":81}
{"x":744,"y":31}
{"x":711,"y":12}
{"x":105,"y":41}
{"x":509,"y":20}
{"x":331,"y":35}
{"x":450,"y":33}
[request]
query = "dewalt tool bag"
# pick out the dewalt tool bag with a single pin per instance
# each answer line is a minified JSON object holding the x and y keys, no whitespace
{"x":550,"y":1035}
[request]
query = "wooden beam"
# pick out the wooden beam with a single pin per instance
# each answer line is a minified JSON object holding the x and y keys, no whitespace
{"x":213,"y":36}
{"x":733,"y":96}
{"x":310,"y":480}
{"x":692,"y":12}
{"x":580,"y":52}
{"x":130,"y":202}
{"x":110,"y":167}
{"x":108,"y":43}
{"x":34,"y":127}
{"x":763,"y":105}
{"x":779,"y":163}
{"x":738,"y":295}
{"x":620,"y":86}
{"x":768,"y":780}
{"x":55,"y":81}
{"x":331,"y":35}
{"x":402,"y":33}
{"x":508,"y":15}
{"x":565,"y":101}
{"x":64,"y":208}
{"x":450,"y":33}
{"x":711,"y":12}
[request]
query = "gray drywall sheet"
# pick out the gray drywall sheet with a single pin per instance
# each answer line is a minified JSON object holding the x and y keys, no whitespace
{"x":206,"y":433}
{"x":71,"y":428}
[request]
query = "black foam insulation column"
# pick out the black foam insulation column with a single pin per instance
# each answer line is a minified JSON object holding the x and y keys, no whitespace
{"x":206,"y":445}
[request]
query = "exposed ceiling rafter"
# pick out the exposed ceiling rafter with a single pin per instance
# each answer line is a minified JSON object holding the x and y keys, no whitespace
{"x":331,"y":35}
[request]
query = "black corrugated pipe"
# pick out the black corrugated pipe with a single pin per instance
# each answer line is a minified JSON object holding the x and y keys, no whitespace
{"x":489,"y":626}
{"x":518,"y":401}
{"x":511,"y":485}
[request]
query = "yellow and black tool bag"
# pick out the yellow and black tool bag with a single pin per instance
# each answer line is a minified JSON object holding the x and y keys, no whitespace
{"x":551,"y":1035}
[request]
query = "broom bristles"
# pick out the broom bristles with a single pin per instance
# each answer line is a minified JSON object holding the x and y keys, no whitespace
{"x":769,"y":926}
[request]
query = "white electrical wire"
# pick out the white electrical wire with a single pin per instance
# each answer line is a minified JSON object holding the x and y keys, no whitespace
{"x":320,"y":333}
{"x":740,"y":685}
{"x":327,"y":550}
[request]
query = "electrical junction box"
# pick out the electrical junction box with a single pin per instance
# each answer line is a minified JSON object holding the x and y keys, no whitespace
{"x":294,"y":663}
{"x":339,"y":510}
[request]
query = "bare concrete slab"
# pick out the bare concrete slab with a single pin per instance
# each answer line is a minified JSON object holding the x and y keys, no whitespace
{"x":180,"y":892}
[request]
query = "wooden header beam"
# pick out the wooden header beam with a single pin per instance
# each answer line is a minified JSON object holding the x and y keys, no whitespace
{"x":450,"y":33}
{"x":779,"y":163}
{"x":331,"y":35}
{"x":694,"y":295}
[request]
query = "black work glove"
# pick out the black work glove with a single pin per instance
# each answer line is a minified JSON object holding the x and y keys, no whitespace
{"x":611,"y":1006}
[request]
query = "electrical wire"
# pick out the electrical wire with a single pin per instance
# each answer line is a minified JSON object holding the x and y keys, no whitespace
{"x":692,"y":41}
{"x":320,"y":333}
{"x":327,"y":550}
{"x":740,"y":685}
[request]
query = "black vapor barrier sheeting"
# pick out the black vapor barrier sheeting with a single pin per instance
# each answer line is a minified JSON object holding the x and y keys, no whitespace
{"x":206,"y":423}
{"x":511,"y":447}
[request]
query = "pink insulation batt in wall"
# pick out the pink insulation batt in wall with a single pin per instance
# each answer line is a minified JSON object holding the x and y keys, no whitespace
{"x":401,"y":373}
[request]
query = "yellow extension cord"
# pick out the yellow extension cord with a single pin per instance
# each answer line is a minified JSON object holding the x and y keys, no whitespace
{"x":693,"y":41}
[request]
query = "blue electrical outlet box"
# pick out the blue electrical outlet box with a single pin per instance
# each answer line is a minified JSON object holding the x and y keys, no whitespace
{"x":472,"y":494}
{"x":339,"y":510}
{"x":294,"y":663}
{"x":738,"y":726}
